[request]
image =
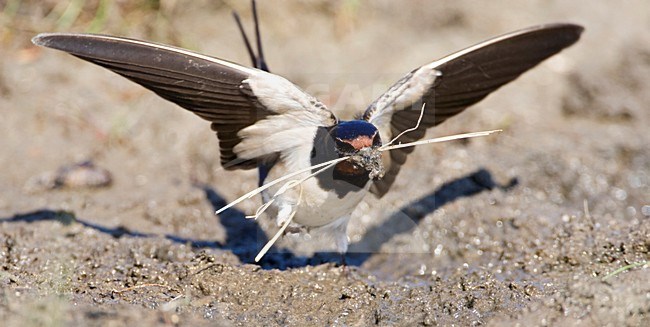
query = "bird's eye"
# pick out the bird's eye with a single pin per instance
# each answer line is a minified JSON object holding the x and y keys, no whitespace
{"x":344,"y":147}
{"x":376,"y":141}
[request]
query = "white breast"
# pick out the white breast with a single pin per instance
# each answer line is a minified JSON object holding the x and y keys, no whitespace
{"x":314,"y":206}
{"x":319,"y":207}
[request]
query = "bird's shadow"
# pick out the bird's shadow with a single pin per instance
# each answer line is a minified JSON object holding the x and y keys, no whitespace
{"x":244,"y":237}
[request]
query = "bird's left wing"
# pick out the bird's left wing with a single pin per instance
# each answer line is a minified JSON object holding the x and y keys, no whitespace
{"x":257,"y":115}
{"x":451,"y":84}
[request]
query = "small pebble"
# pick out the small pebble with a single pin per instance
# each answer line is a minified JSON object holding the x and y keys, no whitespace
{"x":75,"y":176}
{"x":645,"y":210}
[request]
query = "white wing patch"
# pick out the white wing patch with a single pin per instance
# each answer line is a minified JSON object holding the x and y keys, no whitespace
{"x":298,"y":115}
{"x":403,"y":96}
{"x":280,"y":96}
{"x":273,"y":134}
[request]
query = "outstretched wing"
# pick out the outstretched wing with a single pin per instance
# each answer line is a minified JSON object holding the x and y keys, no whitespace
{"x":257,"y":115}
{"x":453,"y":83}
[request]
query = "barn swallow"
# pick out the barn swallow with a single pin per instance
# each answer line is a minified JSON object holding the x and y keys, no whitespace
{"x":265,"y":122}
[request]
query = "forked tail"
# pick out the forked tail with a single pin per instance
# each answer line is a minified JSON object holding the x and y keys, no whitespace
{"x":257,"y":59}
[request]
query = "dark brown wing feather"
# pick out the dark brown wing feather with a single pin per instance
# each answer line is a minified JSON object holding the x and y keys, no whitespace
{"x":209,"y":87}
{"x":467,"y":77}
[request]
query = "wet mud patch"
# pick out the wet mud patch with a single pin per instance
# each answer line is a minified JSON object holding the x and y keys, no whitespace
{"x":548,"y":223}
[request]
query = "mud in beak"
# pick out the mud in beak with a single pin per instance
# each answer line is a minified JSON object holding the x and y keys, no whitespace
{"x":369,"y":158}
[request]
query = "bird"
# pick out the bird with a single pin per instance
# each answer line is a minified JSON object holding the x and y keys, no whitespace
{"x":265,"y":122}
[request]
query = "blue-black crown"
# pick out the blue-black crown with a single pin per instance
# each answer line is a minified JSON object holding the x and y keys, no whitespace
{"x":348,"y":130}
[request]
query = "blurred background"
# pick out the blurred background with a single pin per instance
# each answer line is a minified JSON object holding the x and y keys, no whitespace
{"x":575,"y":128}
{"x":105,"y":187}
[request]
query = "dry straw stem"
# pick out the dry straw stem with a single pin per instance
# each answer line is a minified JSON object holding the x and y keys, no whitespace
{"x":442,"y":139}
{"x":286,"y":223}
{"x":286,"y":186}
{"x":283,"y":178}
{"x":291,"y":184}
{"x":417,"y":125}
{"x":624,"y":268}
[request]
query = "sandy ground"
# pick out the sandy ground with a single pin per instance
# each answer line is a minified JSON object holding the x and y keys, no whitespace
{"x":547,"y":223}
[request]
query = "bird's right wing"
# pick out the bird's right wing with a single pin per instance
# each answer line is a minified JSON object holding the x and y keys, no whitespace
{"x":257,"y":115}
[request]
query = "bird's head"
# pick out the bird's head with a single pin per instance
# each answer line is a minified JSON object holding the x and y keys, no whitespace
{"x":360,"y":140}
